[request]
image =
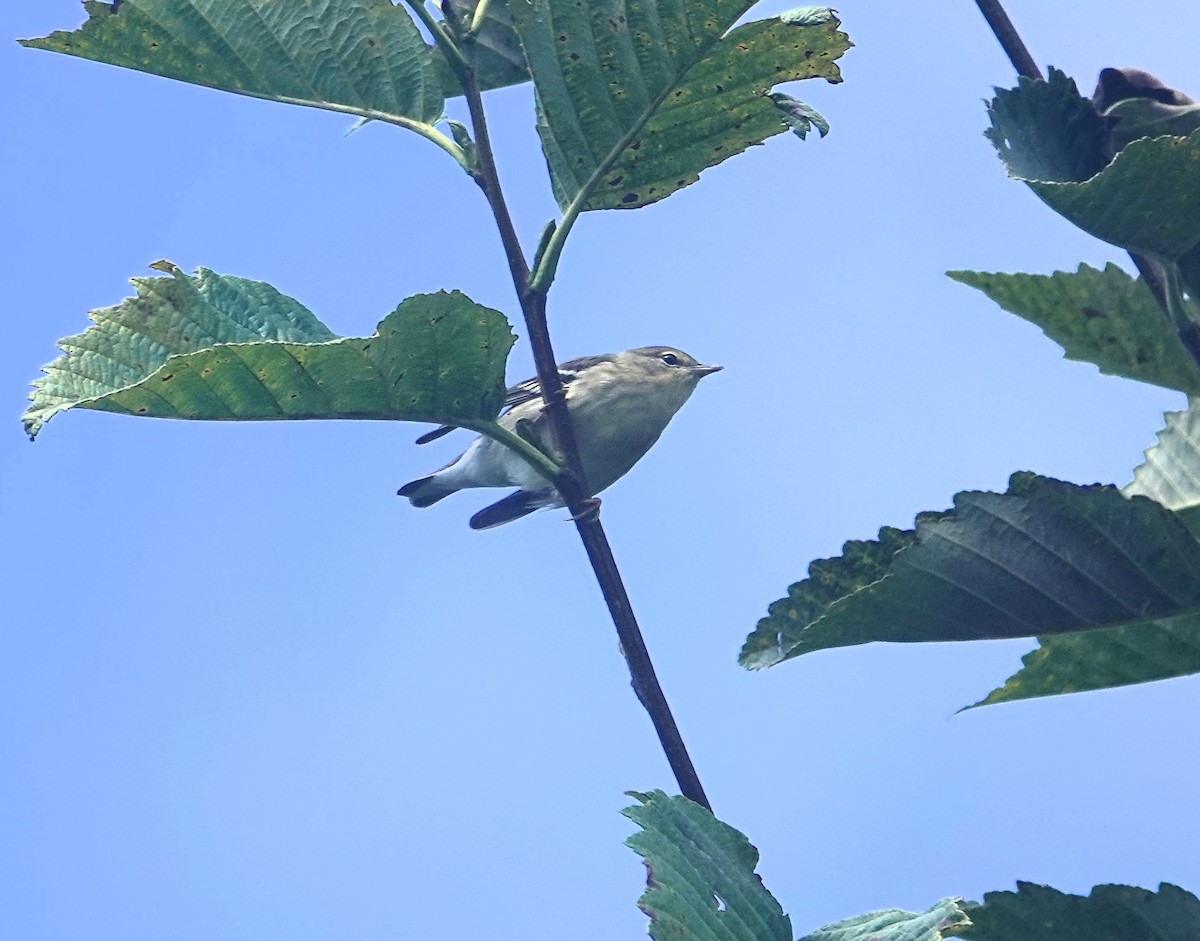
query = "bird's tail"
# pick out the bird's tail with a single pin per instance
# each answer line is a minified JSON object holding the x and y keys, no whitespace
{"x":512,"y":507}
{"x":426,"y":491}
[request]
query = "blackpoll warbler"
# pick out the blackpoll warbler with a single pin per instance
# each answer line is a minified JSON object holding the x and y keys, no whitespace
{"x":619,"y":405}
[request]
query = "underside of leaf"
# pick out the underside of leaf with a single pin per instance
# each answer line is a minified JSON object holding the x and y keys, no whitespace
{"x":721,"y":108}
{"x":636,"y":98}
{"x":1052,"y":138}
{"x":946,"y":917}
{"x":217,"y":348}
{"x":700,"y":878}
{"x":1171,"y":472}
{"x":1105,"y":658}
{"x":362,"y":57}
{"x":1103,"y":317}
{"x":1043,"y":558}
{"x":1110,"y":912}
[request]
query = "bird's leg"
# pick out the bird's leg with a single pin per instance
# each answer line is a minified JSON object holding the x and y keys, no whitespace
{"x":590,"y":511}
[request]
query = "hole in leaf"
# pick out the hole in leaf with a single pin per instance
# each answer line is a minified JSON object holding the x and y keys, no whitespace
{"x":720,"y":902}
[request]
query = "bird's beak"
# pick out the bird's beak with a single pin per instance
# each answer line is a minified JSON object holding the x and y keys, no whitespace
{"x":703,"y":371}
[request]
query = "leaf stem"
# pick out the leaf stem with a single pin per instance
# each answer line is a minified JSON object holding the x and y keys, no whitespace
{"x":571,"y":482}
{"x":431,"y":133}
{"x":547,"y":259}
{"x":536,"y":459}
{"x":454,"y":56}
{"x":428,"y":131}
{"x":547,"y":264}
{"x":477,"y":19}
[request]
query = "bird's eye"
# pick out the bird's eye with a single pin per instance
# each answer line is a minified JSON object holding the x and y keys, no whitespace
{"x":670,"y":359}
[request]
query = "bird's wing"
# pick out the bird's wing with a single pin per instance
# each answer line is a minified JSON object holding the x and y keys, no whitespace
{"x":527,"y":391}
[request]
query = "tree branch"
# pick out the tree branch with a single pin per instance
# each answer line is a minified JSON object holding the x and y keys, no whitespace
{"x":571,"y":482}
{"x":1009,"y":39}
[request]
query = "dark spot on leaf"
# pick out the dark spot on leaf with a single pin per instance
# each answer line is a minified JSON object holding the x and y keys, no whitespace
{"x":635,"y":145}
{"x":143,"y":410}
{"x":168,"y":377}
{"x":574,"y":56}
{"x":629,"y":198}
{"x":562,"y":38}
{"x":370,"y":42}
{"x":720,"y":88}
{"x":1091,"y":313}
{"x":616,"y":181}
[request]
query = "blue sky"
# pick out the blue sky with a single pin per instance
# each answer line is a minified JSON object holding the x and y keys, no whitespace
{"x":247,"y":693}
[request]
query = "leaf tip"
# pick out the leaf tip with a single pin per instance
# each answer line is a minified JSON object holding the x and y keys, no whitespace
{"x":809,"y":16}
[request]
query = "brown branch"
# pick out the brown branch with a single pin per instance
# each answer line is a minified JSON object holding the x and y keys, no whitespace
{"x":572,"y":484}
{"x":1009,"y":39}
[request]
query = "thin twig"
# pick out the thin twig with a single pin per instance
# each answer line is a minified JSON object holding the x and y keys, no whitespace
{"x":1009,"y":39}
{"x":1152,"y":272}
{"x":571,"y":483}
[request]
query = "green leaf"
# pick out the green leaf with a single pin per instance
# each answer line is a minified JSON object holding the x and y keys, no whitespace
{"x":1103,"y":317}
{"x":1104,"y":658}
{"x":892,"y":924}
{"x":635,"y":99}
{"x":800,"y":117}
{"x":1171,"y":471}
{"x":1110,"y":913}
{"x":361,"y":57}
{"x":1052,"y":138}
{"x":1044,"y":558}
{"x":1046,"y":130}
{"x":1145,"y":201}
{"x":1137,"y":653}
{"x":212,"y":347}
{"x":700,"y":879}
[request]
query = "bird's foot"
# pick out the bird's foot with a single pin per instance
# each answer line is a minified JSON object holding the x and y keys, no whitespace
{"x":588,"y":512}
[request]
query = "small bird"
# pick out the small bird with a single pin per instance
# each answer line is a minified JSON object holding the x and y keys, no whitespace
{"x":619,"y":405}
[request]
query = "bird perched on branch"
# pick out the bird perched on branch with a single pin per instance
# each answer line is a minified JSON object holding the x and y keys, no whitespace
{"x":619,"y":404}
